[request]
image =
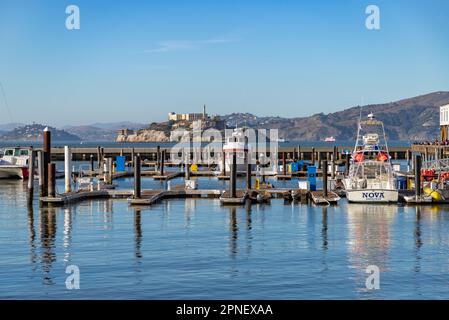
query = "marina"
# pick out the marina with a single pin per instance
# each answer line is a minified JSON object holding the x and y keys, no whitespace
{"x":224,"y":155}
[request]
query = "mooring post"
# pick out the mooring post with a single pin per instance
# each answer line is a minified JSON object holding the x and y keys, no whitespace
{"x":31,"y":169}
{"x":248,"y":169}
{"x":325,"y":167}
{"x":51,"y":180}
{"x":187,"y":172}
{"x":407,"y":155}
{"x":162,"y":162}
{"x":334,"y":153}
{"x":223,"y":164}
{"x":92,"y":163}
{"x":158,"y":158}
{"x":284,"y":164}
{"x":417,"y":164}
{"x":233,"y":182}
{"x":313,"y":157}
{"x":47,"y":157}
{"x":319,"y":159}
{"x":102,"y":158}
{"x":31,"y":175}
{"x":67,"y":169}
{"x":137,"y":190}
{"x":347,"y":164}
{"x":332,"y":166}
{"x":40,"y":168}
{"x":109,"y":167}
{"x":99,"y":157}
{"x":132,"y":157}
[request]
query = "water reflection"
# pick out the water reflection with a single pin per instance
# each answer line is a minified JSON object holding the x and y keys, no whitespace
{"x":324,"y":228}
{"x":369,"y":233}
{"x":249,"y":236}
{"x":418,"y":239}
{"x":47,"y":227}
{"x":67,"y":234}
{"x":233,"y":226}
{"x":137,"y":233}
{"x":32,"y":236}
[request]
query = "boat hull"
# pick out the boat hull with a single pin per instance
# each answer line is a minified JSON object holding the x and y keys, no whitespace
{"x":13,"y":172}
{"x":372,"y":196}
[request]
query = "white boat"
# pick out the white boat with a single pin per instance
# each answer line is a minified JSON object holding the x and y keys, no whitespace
{"x":237,"y":143}
{"x":14,"y":163}
{"x":329,"y":139}
{"x":371,"y":175}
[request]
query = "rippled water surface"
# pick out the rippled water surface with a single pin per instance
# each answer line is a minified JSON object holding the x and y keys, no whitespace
{"x":197,"y":249}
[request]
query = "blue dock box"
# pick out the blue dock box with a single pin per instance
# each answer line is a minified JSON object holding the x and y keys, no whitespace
{"x":311,"y":177}
{"x":120,"y":163}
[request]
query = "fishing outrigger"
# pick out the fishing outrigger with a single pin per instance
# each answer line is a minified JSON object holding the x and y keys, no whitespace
{"x":371,"y":175}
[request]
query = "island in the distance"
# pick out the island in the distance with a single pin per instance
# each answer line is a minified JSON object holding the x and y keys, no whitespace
{"x":34,"y":132}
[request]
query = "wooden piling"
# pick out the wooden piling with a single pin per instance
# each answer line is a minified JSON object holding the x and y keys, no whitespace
{"x":109,"y":169}
{"x":325,"y":178}
{"x":347,"y":164}
{"x":319,"y":159}
{"x":187,"y":166}
{"x":417,"y":164}
{"x":31,"y":176}
{"x":31,"y":169}
{"x":46,"y":158}
{"x":40,"y":168}
{"x":51,"y":180}
{"x":158,"y":158}
{"x":233,"y":182}
{"x":284,"y":164}
{"x":67,"y":169}
{"x":332,"y":166}
{"x":137,"y":181}
{"x":162,"y":163}
{"x":92,"y":163}
{"x":407,"y":155}
{"x":99,"y":157}
{"x":132,"y":157}
{"x":248,"y":170}
{"x":223,"y":163}
{"x":313,"y":156}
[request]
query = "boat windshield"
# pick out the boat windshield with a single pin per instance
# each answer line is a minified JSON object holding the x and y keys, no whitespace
{"x":16,"y":152}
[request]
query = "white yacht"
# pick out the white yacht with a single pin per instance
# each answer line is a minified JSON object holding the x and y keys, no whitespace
{"x":237,"y":143}
{"x":371,"y":175}
{"x":14,"y":163}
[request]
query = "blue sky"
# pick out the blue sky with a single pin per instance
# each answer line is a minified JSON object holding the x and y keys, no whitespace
{"x":138,"y":60}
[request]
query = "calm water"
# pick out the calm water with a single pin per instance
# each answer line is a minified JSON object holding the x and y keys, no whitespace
{"x":196,"y":249}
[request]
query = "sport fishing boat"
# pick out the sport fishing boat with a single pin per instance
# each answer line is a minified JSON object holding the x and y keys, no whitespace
{"x":14,"y":163}
{"x":371,"y":175}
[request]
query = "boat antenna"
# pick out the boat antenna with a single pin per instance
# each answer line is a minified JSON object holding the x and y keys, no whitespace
{"x":6,"y":102}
